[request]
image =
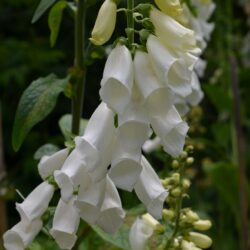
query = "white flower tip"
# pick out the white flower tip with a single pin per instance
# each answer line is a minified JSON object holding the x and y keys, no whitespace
{"x":114,"y":94}
{"x":125,"y":173}
{"x":63,"y":239}
{"x":13,"y":241}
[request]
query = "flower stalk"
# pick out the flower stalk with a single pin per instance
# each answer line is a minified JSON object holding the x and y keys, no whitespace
{"x":130,"y":23}
{"x":79,"y":85}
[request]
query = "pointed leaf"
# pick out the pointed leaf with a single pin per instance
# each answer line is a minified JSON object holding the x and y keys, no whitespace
{"x":37,"y":101}
{"x":55,"y":18}
{"x":42,"y":7}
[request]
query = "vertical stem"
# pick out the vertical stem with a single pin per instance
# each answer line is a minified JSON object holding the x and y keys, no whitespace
{"x":240,"y":146}
{"x":130,"y":22}
{"x":3,"y":211}
{"x":78,"y":95}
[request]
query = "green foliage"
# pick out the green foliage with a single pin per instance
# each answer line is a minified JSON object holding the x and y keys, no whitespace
{"x":37,"y":101}
{"x":41,"y":9}
{"x":55,"y":18}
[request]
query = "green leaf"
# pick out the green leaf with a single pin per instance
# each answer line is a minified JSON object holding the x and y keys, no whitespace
{"x":119,"y":239}
{"x":42,"y":7}
{"x":55,"y":18}
{"x":46,"y":149}
{"x":65,"y":126}
{"x":37,"y":101}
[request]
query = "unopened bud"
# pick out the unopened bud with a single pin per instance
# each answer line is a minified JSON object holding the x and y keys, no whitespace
{"x":184,"y":155}
{"x":185,"y":245}
{"x":190,"y":160}
{"x":191,"y":216}
{"x":176,"y":192}
{"x":176,"y":178}
{"x":186,"y":183}
{"x":202,"y":225}
{"x":168,"y":214}
{"x":175,"y":164}
{"x":150,"y":220}
{"x":159,"y":229}
{"x":200,"y":240}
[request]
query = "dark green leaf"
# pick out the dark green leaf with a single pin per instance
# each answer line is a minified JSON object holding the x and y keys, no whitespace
{"x":119,"y":239}
{"x":47,"y":149}
{"x":42,"y":7}
{"x":37,"y":101}
{"x":55,"y":18}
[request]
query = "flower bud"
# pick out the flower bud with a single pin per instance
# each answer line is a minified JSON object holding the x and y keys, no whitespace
{"x":190,"y":160}
{"x":175,"y":164}
{"x":186,"y":183}
{"x":200,"y":240}
{"x":191,"y":216}
{"x":185,"y":245}
{"x":176,"y":192}
{"x":202,"y":225}
{"x":105,"y":23}
{"x":168,"y":214}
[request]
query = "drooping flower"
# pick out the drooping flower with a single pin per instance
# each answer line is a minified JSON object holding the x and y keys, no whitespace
{"x":169,"y":68}
{"x":48,"y":164}
{"x":65,"y":224}
{"x":150,"y":190}
{"x":36,"y":203}
{"x":200,"y":240}
{"x":117,"y":81}
{"x":141,"y":230}
{"x":105,"y":23}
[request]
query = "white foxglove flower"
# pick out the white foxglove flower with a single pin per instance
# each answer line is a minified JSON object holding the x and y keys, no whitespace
{"x":172,"y":130}
{"x":170,"y":7}
{"x":65,"y":224}
{"x":200,"y":67}
{"x":197,"y":94}
{"x":36,"y":203}
{"x":205,"y":8}
{"x":132,"y":132}
{"x":181,"y":105}
{"x":158,"y":98}
{"x":150,"y":190}
{"x":172,"y":33}
{"x":151,"y":145}
{"x":105,"y":23}
{"x":112,"y":214}
{"x":170,"y":69}
{"x":92,"y":154}
{"x":89,"y":201}
{"x":141,"y":230}
{"x":117,"y":82}
{"x":22,"y":234}
{"x":48,"y":164}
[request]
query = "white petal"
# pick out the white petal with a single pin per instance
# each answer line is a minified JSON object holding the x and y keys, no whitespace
{"x":181,"y":105}
{"x":36,"y":203}
{"x":117,"y":81}
{"x":172,"y":131}
{"x":48,"y":164}
{"x":170,"y":69}
{"x":172,"y":33}
{"x":22,"y":234}
{"x":197,"y":94}
{"x":205,"y":10}
{"x":89,"y":201}
{"x":150,"y":190}
{"x":112,"y":214}
{"x":151,"y":145}
{"x":200,"y":67}
{"x":65,"y":224}
{"x":157,"y":96}
{"x":139,"y":233}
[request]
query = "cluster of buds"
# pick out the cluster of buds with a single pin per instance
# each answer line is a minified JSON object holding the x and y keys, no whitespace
{"x":138,"y":91}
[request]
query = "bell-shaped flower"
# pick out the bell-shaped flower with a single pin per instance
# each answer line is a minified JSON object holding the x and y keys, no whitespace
{"x":117,"y":82}
{"x":112,"y":214}
{"x":204,"y":8}
{"x":65,"y":224}
{"x":132,"y":132}
{"x":158,"y":98}
{"x":36,"y":203}
{"x":172,"y":130}
{"x":89,"y":201}
{"x":141,"y":230}
{"x":22,"y":234}
{"x":170,"y":69}
{"x":197,"y":94}
{"x":150,"y":190}
{"x":181,"y":105}
{"x":90,"y":154}
{"x":151,"y":145}
{"x":172,"y":33}
{"x":105,"y":23}
{"x":48,"y":164}
{"x":200,"y":67}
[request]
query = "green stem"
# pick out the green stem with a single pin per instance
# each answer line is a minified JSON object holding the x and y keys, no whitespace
{"x":178,"y":212}
{"x":130,"y":22}
{"x":79,"y":87}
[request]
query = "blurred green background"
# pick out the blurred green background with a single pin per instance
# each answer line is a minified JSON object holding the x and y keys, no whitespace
{"x":25,"y":54}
